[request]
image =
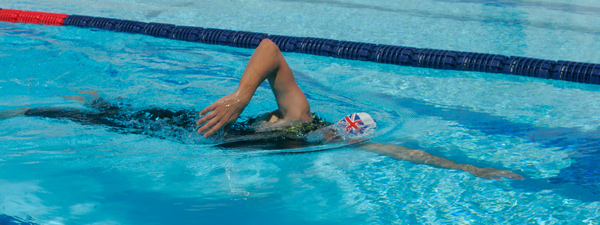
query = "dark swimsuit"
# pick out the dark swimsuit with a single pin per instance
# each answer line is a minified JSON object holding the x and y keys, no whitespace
{"x":242,"y":134}
{"x":153,"y":121}
{"x":178,"y":124}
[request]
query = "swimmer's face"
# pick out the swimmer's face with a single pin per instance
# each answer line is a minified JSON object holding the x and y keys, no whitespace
{"x":330,"y":135}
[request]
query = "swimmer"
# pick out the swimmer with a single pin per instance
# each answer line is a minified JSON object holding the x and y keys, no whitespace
{"x":267,"y":63}
{"x":291,"y":125}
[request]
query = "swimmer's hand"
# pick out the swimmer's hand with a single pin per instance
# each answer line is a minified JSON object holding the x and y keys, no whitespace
{"x":222,"y":113}
{"x":494,"y":174}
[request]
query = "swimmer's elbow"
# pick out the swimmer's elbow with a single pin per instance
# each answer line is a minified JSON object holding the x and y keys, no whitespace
{"x":270,"y":46}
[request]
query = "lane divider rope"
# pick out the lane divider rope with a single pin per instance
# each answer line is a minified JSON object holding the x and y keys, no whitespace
{"x":398,"y":55}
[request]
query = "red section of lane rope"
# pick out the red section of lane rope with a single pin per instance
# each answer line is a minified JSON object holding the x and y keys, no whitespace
{"x":19,"y":16}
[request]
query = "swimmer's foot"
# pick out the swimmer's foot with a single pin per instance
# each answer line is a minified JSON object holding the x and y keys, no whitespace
{"x":75,"y":98}
{"x":93,"y":93}
{"x":84,"y":100}
{"x":13,"y":113}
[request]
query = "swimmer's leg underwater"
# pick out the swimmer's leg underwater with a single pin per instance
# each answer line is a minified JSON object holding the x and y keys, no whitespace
{"x":123,"y":118}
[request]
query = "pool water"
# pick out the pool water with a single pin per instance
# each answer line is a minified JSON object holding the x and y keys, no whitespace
{"x":63,"y":172}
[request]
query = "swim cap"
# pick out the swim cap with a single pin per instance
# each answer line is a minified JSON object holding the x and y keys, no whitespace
{"x":356,"y":125}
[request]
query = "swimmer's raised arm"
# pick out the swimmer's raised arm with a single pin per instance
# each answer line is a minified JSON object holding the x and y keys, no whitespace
{"x":422,"y":157}
{"x":266,"y":63}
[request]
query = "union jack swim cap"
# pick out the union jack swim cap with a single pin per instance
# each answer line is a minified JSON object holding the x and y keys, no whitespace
{"x":357,"y":125}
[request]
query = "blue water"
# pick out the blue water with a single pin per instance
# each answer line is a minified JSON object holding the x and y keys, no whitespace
{"x":62,"y":172}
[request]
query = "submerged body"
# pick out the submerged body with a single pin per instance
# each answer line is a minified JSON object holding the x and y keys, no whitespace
{"x":250,"y":133}
{"x":176,"y":124}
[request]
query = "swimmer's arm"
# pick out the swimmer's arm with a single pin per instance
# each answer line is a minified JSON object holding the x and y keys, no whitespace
{"x":266,"y":63}
{"x":422,"y":157}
